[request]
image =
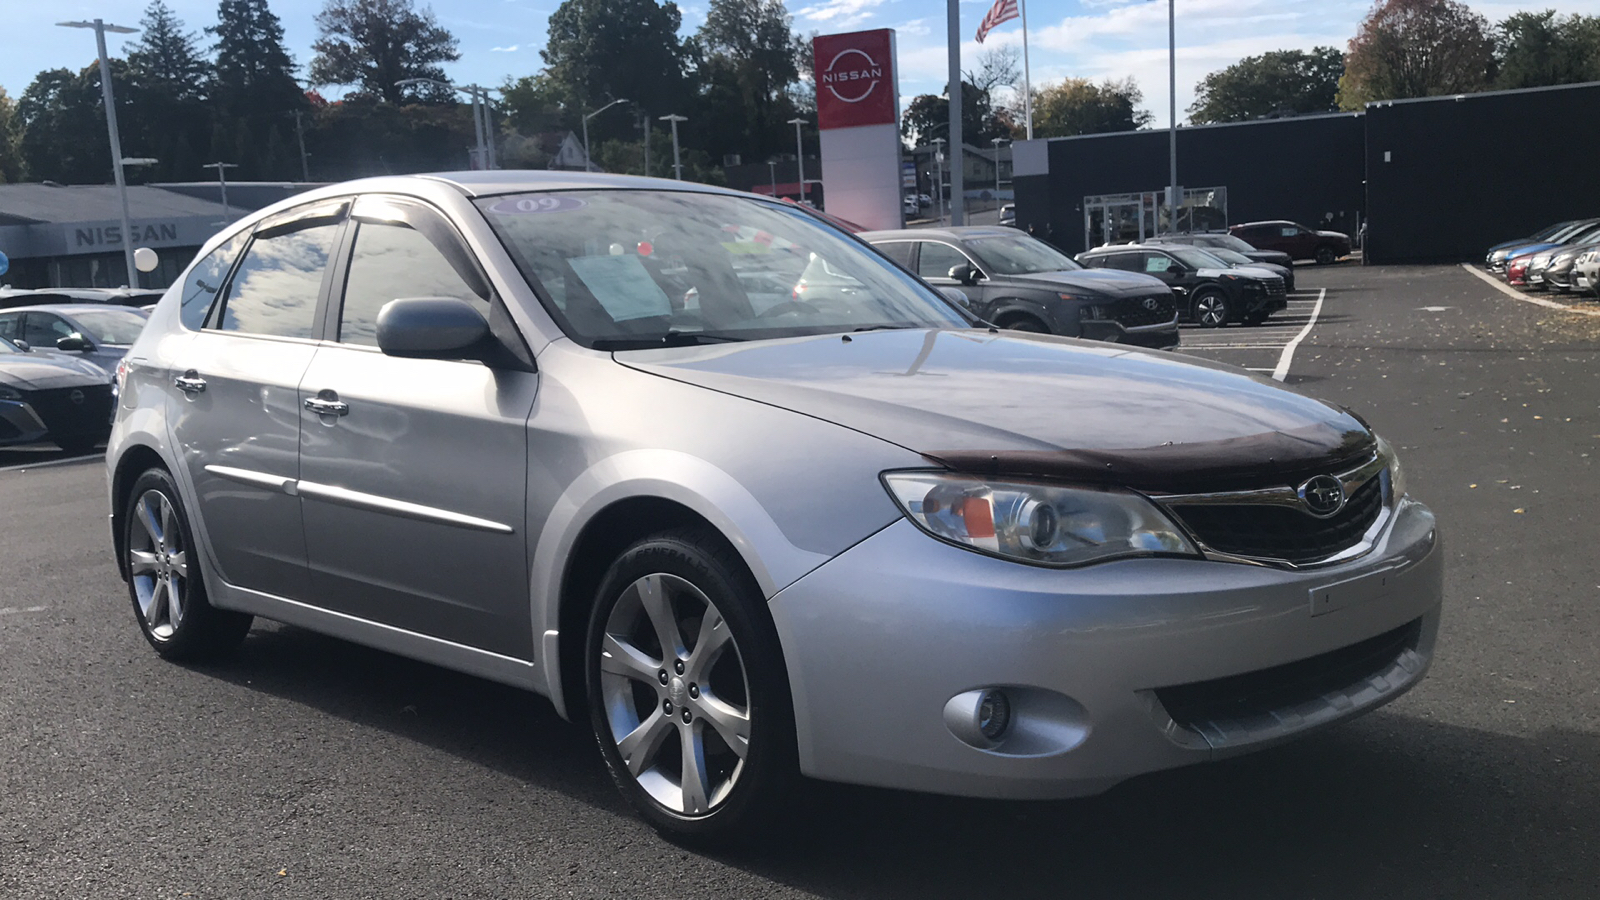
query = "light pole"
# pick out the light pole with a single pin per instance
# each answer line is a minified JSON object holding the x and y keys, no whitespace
{"x":677,"y":166}
{"x":958,"y":155}
{"x":222,"y":184}
{"x":1173,"y":200}
{"x":100,"y":29}
{"x":588,"y":162}
{"x":996,"y":141}
{"x":800,"y":155}
{"x":938,"y":179}
{"x":484,"y":154}
{"x":772,"y":172}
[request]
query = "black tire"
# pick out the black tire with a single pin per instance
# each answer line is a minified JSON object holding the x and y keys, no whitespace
{"x":1210,"y":308}
{"x":201,"y":631}
{"x":1027,"y":324}
{"x":757,"y":789}
{"x":78,"y":445}
{"x":1326,"y":256}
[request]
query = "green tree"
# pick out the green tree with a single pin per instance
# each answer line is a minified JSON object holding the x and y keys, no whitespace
{"x":10,"y":157}
{"x":597,"y":50}
{"x":1282,"y":82}
{"x":1416,"y":48}
{"x":254,"y":73}
{"x":1542,"y":48}
{"x":376,"y":43}
{"x":744,"y":57}
{"x":927,"y":116}
{"x":165,"y":61}
{"x":63,"y":125}
{"x":1080,"y":106}
{"x":168,"y":81}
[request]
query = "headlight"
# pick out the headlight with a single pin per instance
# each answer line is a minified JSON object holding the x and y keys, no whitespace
{"x":1036,"y":523}
{"x":1397,"y":475}
{"x":9,"y":393}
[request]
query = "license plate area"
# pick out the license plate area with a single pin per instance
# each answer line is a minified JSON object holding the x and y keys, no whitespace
{"x":1366,"y":588}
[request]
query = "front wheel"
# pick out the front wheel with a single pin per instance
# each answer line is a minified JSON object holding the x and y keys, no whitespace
{"x":687,"y":692}
{"x":1211,"y":309}
{"x":1326,"y":256}
{"x":164,"y":580}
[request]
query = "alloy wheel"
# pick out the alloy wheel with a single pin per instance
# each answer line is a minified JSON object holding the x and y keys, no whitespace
{"x":676,"y":694}
{"x":1211,"y":310}
{"x":158,"y":565}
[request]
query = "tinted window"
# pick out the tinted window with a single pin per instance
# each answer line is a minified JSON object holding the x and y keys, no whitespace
{"x":1288,"y":231}
{"x":110,"y":326}
{"x":43,"y":329}
{"x":1020,"y":255}
{"x":393,"y":261}
{"x":936,"y":260}
{"x":899,"y":251}
{"x":9,"y":326}
{"x":205,"y":279}
{"x":1130,"y":262}
{"x":275,"y":289}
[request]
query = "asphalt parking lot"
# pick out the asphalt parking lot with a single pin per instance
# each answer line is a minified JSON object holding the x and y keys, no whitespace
{"x":307,"y":767}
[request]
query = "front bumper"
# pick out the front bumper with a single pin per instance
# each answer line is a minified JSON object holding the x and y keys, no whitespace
{"x":19,"y":424}
{"x":1160,"y":336}
{"x":880,"y":639}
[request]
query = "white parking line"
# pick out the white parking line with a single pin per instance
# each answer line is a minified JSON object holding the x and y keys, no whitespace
{"x":12,"y":610}
{"x":53,"y":462}
{"x":1515,"y":294}
{"x":1282,"y":371}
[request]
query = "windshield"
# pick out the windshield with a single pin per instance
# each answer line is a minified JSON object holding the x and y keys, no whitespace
{"x":1226,"y":242}
{"x":1196,"y":258}
{"x":618,"y":269}
{"x":111,"y":326}
{"x":1569,"y":231}
{"x":1228,"y":256}
{"x":1019,"y":255}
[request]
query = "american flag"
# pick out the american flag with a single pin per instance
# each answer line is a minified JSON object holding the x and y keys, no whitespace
{"x":1003,"y":11}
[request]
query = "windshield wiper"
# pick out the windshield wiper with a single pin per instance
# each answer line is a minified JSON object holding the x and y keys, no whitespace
{"x":890,"y":327}
{"x":668,"y":339}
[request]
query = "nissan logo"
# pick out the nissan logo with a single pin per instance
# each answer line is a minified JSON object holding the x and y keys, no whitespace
{"x":857,"y":76}
{"x":76,"y":396}
{"x":1323,"y":495}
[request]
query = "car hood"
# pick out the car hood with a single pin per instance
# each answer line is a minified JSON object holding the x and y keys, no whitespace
{"x":1037,"y":405}
{"x":1525,"y":249}
{"x":36,"y":372}
{"x":1334,"y":234}
{"x":1111,"y":282}
{"x":1276,"y":257}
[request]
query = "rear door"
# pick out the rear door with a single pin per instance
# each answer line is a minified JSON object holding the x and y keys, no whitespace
{"x":414,"y":491}
{"x":236,"y":411}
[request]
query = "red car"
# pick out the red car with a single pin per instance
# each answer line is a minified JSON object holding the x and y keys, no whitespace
{"x":1296,"y":240}
{"x":1517,"y":272}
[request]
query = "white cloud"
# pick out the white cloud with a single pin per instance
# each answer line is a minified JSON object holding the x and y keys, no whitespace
{"x":839,"y":13}
{"x":511,"y":49}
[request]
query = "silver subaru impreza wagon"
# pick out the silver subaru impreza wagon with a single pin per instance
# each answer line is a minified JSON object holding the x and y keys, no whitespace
{"x":756,"y":503}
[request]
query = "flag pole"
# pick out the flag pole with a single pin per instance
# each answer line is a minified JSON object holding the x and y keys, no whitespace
{"x":1027,"y":78}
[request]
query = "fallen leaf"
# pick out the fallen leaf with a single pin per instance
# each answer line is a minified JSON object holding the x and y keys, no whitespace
{"x":1519,"y":510}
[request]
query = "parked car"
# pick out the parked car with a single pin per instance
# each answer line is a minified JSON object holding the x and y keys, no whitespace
{"x":1560,"y":273}
{"x":1495,"y":260}
{"x":1221,"y":240}
{"x":1210,"y":292}
{"x":1019,"y":282}
{"x":1296,"y":240}
{"x":1580,"y":233}
{"x":909,"y":206}
{"x":1517,"y":271}
{"x":870,"y":541}
{"x":1008,"y":214}
{"x":1284,"y":270}
{"x":134,"y":297}
{"x":1586,"y":272}
{"x":98,"y":334}
{"x":52,"y":397}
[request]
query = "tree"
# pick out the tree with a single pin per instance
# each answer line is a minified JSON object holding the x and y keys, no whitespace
{"x":63,"y":125}
{"x":10,"y":157}
{"x":927,"y":116}
{"x":1540,"y":49}
{"x":166,"y":61}
{"x":254,"y":73}
{"x":1283,"y":82}
{"x":599,"y":50}
{"x":1079,"y":106}
{"x":745,"y":63}
{"x":376,"y":43}
{"x":168,"y":82}
{"x":1416,"y":48}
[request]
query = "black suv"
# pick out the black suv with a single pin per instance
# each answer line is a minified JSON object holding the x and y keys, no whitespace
{"x":1213,"y":294}
{"x":1278,"y":262}
{"x":1019,"y":282}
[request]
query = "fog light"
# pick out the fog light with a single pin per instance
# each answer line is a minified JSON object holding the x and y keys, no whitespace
{"x":994,"y":714}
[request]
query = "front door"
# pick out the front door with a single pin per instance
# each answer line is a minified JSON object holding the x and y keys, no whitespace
{"x":414,"y":488}
{"x":235,"y":410}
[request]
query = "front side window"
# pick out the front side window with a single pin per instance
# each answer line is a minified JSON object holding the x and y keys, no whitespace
{"x":44,"y":329}
{"x":618,"y":269}
{"x":936,"y":260}
{"x":1156,"y":264}
{"x":392,"y":261}
{"x":200,"y":289}
{"x":1020,"y":255}
{"x":1289,"y":231}
{"x":275,"y":290}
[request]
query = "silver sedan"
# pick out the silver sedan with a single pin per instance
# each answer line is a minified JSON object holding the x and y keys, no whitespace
{"x":591,"y":436}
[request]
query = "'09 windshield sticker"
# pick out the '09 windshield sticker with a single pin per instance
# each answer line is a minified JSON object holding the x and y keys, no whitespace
{"x":527,"y":206}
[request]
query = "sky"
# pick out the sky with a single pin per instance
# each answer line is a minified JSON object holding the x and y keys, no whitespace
{"x":1067,"y":38}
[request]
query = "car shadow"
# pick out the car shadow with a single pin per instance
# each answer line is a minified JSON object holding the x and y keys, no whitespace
{"x":1390,"y":805}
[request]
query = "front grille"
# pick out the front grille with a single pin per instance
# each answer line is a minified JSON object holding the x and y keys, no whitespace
{"x":64,"y":417}
{"x":1282,"y":532}
{"x":1275,"y":287}
{"x":1281,"y":687}
{"x":1131,"y":312}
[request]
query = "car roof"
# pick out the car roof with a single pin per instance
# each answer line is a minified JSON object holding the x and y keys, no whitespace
{"x":957,"y":233}
{"x":1265,"y":222}
{"x":70,"y":308}
{"x":509,"y":181}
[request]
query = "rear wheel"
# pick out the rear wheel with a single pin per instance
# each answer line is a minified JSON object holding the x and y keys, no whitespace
{"x":1326,"y":256}
{"x":164,"y":580}
{"x":688,"y":696}
{"x":1211,"y":308}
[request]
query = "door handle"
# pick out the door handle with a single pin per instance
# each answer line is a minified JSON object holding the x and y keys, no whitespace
{"x":189,"y":382}
{"x":327,"y":405}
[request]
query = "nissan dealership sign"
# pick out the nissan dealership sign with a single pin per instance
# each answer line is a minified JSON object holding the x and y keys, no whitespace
{"x":855,"y":79}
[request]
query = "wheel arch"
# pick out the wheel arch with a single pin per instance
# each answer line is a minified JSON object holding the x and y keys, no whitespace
{"x":1009,"y":309}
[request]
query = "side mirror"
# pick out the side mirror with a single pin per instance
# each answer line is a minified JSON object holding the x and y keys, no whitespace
{"x":1174,"y":268}
{"x":74,"y":342}
{"x":23,"y":345}
{"x":964,"y":273}
{"x":957,"y":297}
{"x":431,"y":328}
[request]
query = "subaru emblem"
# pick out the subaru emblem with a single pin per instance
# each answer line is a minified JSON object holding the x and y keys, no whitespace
{"x":1323,"y":495}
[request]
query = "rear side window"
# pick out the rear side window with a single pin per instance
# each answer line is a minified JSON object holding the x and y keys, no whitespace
{"x":275,"y":290}
{"x":200,"y":289}
{"x":391,"y":261}
{"x":1128,"y":262}
{"x":9,"y":325}
{"x":1156,"y":264}
{"x":899,"y":251}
